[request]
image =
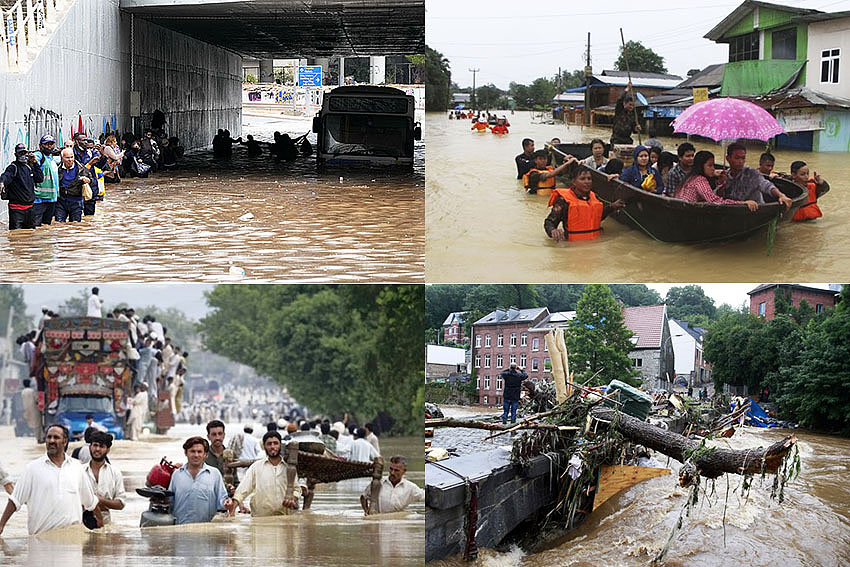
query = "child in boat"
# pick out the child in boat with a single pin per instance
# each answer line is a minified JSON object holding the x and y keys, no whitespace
{"x":814,"y":184}
{"x":596,"y":160}
{"x":641,"y":174}
{"x":577,"y":209}
{"x":699,"y":184}
{"x":542,"y":176}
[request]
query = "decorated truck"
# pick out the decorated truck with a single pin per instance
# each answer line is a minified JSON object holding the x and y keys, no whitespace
{"x":84,"y":370}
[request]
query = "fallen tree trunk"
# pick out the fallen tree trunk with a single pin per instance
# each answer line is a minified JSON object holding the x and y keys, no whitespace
{"x":710,"y":463}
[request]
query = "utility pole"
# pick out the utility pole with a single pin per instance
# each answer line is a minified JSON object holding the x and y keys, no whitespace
{"x":588,"y":70}
{"x":473,"y":71}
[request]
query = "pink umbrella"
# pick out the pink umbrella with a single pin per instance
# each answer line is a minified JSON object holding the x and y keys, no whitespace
{"x":727,"y":119}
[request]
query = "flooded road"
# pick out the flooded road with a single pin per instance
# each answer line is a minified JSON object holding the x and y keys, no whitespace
{"x":482,"y":227}
{"x":811,"y":528}
{"x":333,"y":533}
{"x":307,"y":226}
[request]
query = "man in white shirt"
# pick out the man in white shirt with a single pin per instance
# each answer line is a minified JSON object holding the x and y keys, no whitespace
{"x":138,"y":411}
{"x":362,"y":450}
{"x":6,"y":480}
{"x":95,"y":304}
{"x":245,"y":447}
{"x":372,"y":438}
{"x":396,"y":491}
{"x":272,"y":490}
{"x":53,"y":487}
{"x":105,"y":478}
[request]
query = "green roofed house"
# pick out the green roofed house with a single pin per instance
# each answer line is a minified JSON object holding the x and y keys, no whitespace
{"x":788,"y":60}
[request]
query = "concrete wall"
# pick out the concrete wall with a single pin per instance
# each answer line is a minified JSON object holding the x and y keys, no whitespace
{"x":835,"y":137}
{"x":83,"y":72}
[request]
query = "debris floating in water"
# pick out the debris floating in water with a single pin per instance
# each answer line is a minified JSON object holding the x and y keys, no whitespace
{"x":246,"y":216}
{"x":236,"y":271}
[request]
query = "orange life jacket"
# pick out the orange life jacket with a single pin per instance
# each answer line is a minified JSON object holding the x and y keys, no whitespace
{"x":584,"y":218}
{"x":810,"y":210}
{"x":480,"y":126}
{"x":543,"y":183}
{"x":499,"y":129}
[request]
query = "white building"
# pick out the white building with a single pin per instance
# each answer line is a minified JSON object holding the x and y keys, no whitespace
{"x":688,"y":353}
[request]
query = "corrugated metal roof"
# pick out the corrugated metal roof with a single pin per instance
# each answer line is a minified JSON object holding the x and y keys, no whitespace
{"x":638,"y":82}
{"x":647,"y":323}
{"x":798,"y":98}
{"x":640,"y":75}
{"x":711,"y":76}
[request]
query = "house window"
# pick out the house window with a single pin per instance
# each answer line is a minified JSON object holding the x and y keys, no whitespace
{"x":819,"y":308}
{"x":535,"y":344}
{"x":486,"y":361}
{"x":784,"y":44}
{"x":513,"y":339}
{"x":547,"y":364}
{"x":523,"y":360}
{"x":744,"y":47}
{"x":513,"y":359}
{"x":477,"y":361}
{"x":637,"y":362}
{"x":762,"y":308}
{"x":478,"y":382}
{"x":535,"y":365}
{"x":499,"y":383}
{"x":477,"y":341}
{"x":500,"y":340}
{"x":487,"y":340}
{"x":523,"y":339}
{"x":829,"y":65}
{"x":499,"y":361}
{"x":487,"y":383}
{"x":545,"y":347}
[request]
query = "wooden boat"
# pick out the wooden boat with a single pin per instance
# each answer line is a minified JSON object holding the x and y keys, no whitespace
{"x":674,"y":220}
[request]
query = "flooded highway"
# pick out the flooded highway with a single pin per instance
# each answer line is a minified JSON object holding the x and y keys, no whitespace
{"x":305,"y":225}
{"x":483,"y":227}
{"x":811,"y":528}
{"x":333,"y":533}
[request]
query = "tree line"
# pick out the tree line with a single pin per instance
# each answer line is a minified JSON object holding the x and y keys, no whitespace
{"x":535,"y":96}
{"x":348,"y":348}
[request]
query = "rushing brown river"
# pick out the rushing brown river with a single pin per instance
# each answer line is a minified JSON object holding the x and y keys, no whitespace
{"x":332,"y":533}
{"x":810,"y":528}
{"x":338,"y":225}
{"x":483,"y":227}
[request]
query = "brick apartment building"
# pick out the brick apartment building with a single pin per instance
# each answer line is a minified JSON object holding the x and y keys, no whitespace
{"x":762,"y":298}
{"x":518,"y":335}
{"x":453,"y":328}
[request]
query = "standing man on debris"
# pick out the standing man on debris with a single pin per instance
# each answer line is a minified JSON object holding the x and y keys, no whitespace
{"x":512,"y":379}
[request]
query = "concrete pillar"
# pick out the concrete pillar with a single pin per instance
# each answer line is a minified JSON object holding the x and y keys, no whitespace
{"x":341,"y":80}
{"x":377,"y":69}
{"x":266,"y":71}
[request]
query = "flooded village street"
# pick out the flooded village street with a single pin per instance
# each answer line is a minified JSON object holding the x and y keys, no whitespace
{"x":306,"y":225}
{"x":333,"y":533}
{"x":478,"y":212}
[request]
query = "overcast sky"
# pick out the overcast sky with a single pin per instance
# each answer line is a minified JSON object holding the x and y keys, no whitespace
{"x":514,"y":41}
{"x":189,"y":298}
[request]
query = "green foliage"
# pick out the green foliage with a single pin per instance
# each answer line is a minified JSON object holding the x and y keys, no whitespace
{"x":488,"y":97}
{"x":250,"y":78}
{"x":182,"y":330}
{"x":740,"y":350}
{"x":572,"y":79}
{"x":438,"y":78}
{"x":634,"y":295}
{"x":336,"y":348}
{"x":284,"y":76}
{"x":541,"y":92}
{"x":520,"y":95}
{"x":598,"y":339}
{"x":455,"y":394}
{"x":12,"y":300}
{"x":689,"y":303}
{"x":76,"y":305}
{"x":640,"y":58}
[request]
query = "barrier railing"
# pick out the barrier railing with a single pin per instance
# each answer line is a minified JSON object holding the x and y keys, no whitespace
{"x":24,"y":29}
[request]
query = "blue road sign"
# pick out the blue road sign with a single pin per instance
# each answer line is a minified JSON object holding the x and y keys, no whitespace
{"x":310,"y":76}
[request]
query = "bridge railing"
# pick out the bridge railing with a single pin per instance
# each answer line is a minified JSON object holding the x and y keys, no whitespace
{"x":25,"y":28}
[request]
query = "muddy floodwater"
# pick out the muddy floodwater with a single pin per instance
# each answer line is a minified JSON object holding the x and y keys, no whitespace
{"x":333,"y":533}
{"x":811,"y":528}
{"x":337,"y":225}
{"x":483,"y":227}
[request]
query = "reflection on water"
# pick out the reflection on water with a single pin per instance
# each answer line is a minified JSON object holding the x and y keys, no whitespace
{"x":812,"y":526}
{"x":333,"y":533}
{"x":481,"y":226}
{"x":307,"y":225}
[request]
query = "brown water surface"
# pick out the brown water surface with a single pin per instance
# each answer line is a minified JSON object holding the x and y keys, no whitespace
{"x":333,"y":533}
{"x":811,"y":528}
{"x":334,"y":225}
{"x":482,"y":227}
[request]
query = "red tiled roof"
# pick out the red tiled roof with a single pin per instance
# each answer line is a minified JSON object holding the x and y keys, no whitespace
{"x":647,"y":323}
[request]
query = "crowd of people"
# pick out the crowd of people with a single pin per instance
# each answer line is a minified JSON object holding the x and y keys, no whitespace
{"x":283,"y":147}
{"x":65,"y":184}
{"x":92,"y":485}
{"x":576,"y":213}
